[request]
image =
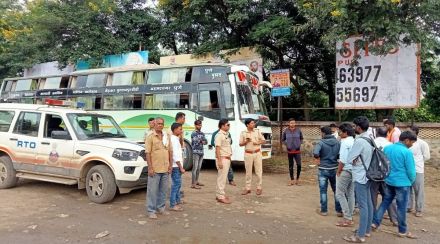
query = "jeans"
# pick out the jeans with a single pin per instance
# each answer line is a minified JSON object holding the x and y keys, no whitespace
{"x":363,"y":198}
{"x":377,"y":188}
{"x":325,"y":176}
{"x":401,"y":195}
{"x":345,"y":193}
{"x":297,"y":158}
{"x":417,"y":190}
{"x":197,"y":165}
{"x":176,"y":184}
{"x":157,"y":192}
{"x":230,"y":175}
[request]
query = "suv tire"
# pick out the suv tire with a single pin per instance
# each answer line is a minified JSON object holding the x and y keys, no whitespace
{"x":100,"y":184}
{"x":8,"y":175}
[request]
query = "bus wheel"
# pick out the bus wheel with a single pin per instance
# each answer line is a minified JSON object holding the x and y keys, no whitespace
{"x":187,"y":156}
{"x":8,"y":176}
{"x":100,"y":184}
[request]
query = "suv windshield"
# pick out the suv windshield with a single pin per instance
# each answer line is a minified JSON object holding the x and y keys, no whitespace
{"x":92,"y":126}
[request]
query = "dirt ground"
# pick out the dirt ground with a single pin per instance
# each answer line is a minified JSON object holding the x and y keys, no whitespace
{"x":39,"y":212}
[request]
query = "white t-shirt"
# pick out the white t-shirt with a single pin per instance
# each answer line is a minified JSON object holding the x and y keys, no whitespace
{"x":382,"y":142}
{"x":177,"y":151}
{"x":420,"y":150}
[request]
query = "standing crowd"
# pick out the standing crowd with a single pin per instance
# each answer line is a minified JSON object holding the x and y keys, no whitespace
{"x":359,"y":164}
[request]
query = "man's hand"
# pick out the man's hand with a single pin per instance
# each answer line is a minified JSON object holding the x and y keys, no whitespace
{"x":182,"y":170}
{"x":338,"y":173}
{"x":170,"y":169}
{"x":316,"y":160}
{"x":220,"y":164}
{"x":150,"y":171}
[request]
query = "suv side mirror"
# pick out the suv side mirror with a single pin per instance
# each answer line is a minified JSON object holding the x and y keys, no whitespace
{"x":61,"y":135}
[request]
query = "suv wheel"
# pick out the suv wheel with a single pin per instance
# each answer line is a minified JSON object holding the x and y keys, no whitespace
{"x":8,"y":176}
{"x":100,"y":184}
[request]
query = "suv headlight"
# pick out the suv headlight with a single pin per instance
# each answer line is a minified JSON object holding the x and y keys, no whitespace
{"x":125,"y":154}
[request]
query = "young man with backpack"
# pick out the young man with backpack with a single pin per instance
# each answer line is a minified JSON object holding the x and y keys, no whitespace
{"x":360,"y":156}
{"x":327,"y":151}
{"x":402,"y":176}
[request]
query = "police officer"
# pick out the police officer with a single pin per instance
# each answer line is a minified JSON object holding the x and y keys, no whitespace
{"x":251,"y":139}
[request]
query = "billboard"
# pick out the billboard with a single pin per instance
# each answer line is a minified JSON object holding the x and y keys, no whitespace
{"x":280,"y":80}
{"x":244,"y":56}
{"x":116,"y":60}
{"x":377,"y":81}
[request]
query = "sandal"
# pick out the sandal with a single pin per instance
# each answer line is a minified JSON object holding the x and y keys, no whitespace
{"x":345,"y":223}
{"x":407,"y":235}
{"x":196,"y":187}
{"x":176,"y":208}
{"x":354,"y":239}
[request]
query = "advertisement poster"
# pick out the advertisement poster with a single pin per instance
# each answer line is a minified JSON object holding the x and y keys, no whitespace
{"x":280,"y":80}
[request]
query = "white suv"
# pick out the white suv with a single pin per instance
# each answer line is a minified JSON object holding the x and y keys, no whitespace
{"x":68,"y":146}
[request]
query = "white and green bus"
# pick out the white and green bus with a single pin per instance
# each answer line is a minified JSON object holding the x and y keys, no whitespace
{"x":133,"y":94}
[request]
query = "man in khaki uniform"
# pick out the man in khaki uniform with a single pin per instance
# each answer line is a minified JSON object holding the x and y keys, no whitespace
{"x":159,"y":153}
{"x":252,"y":139}
{"x":223,"y":153}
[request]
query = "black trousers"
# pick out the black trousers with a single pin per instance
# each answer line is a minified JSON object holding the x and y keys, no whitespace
{"x":297,"y":158}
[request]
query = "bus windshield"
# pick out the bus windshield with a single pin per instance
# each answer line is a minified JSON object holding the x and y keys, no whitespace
{"x":93,"y":126}
{"x":249,"y":101}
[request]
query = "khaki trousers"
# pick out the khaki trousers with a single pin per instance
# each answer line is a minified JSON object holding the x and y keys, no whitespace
{"x":253,"y":160}
{"x":222,"y":175}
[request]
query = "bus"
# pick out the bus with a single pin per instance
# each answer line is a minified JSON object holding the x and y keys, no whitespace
{"x":133,"y":94}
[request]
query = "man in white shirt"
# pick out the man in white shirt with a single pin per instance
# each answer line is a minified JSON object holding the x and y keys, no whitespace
{"x":420,"y":150}
{"x":177,"y":171}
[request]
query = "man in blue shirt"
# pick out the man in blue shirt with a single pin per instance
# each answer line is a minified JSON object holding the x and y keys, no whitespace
{"x":402,"y":176}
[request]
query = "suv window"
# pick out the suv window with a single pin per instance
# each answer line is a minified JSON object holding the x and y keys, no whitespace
{"x":27,"y":124}
{"x":6,"y":120}
{"x":53,"y":123}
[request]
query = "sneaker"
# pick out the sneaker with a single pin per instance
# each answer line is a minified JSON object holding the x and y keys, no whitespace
{"x":152,"y":216}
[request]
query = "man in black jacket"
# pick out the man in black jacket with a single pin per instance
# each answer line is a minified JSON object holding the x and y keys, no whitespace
{"x":326,"y":153}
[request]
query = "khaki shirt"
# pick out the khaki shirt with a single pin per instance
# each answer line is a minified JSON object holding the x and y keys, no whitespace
{"x":223,"y":142}
{"x":160,"y":153}
{"x":255,"y":136}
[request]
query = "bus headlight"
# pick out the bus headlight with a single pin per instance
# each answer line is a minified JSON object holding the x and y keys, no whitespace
{"x":125,"y":154}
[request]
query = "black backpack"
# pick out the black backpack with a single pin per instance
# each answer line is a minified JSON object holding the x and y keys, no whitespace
{"x":379,"y":168}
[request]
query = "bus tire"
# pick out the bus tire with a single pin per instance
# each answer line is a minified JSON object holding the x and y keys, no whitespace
{"x":100,"y":184}
{"x":8,"y":175}
{"x":188,"y":157}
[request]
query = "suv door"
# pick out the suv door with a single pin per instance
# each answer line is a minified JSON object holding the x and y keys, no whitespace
{"x":56,"y":154}
{"x":24,"y":140}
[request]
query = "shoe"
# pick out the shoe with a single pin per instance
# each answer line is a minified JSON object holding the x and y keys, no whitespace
{"x":224,"y":200}
{"x":340,"y":215}
{"x":196,"y":187}
{"x":419,"y":214}
{"x":152,"y":216}
{"x":245,"y":192}
{"x":200,"y":184}
{"x":321,"y":213}
{"x":259,"y":192}
{"x":232,"y":183}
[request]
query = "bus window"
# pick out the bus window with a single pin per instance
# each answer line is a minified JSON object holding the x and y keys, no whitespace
{"x":64,"y":82}
{"x":79,"y":81}
{"x":8,"y":85}
{"x":244,"y":99}
{"x":229,"y":100}
{"x":167,"y":101}
{"x":167,"y":76}
{"x":123,"y":102}
{"x":91,"y":102}
{"x":27,"y":100}
{"x":23,"y":85}
{"x":52,"y":83}
{"x":96,"y":80}
{"x":127,"y":78}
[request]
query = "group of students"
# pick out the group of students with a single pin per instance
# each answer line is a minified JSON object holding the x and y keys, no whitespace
{"x":164,"y":156}
{"x":343,"y":161}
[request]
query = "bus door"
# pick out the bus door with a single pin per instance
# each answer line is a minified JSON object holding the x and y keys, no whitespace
{"x":210,"y":102}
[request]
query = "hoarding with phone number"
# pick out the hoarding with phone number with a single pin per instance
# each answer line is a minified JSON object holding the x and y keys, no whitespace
{"x":377,"y":81}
